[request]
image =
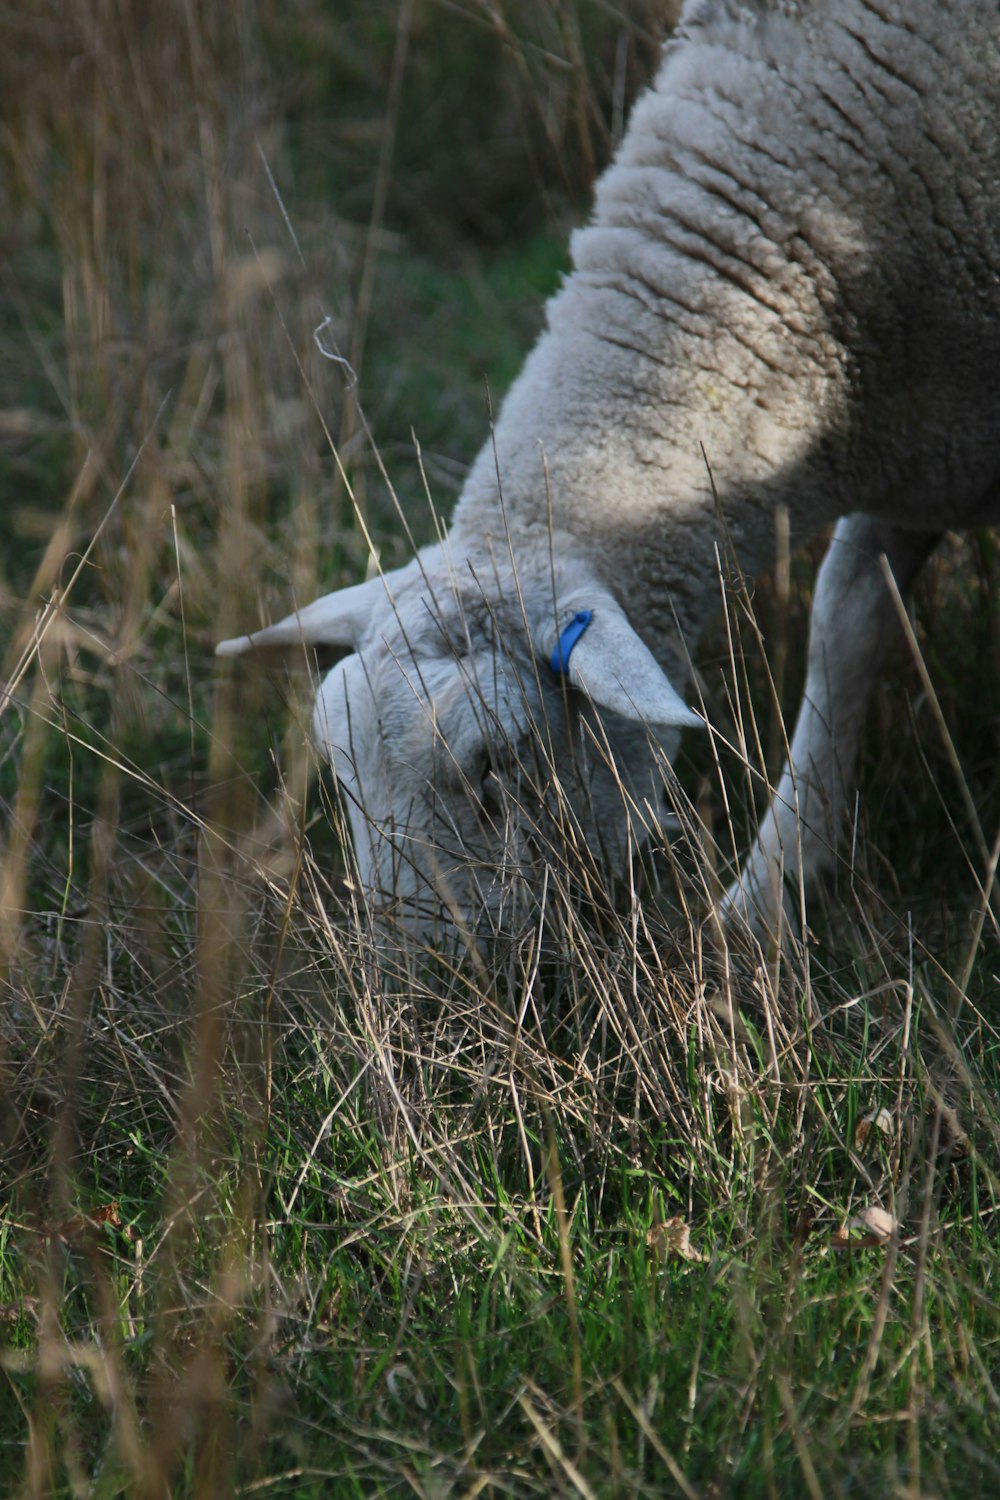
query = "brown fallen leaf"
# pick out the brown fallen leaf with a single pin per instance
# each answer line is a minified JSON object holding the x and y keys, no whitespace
{"x":671,"y":1240}
{"x":80,"y":1225}
{"x":12,"y":1312}
{"x":879,"y":1124}
{"x":872,"y":1226}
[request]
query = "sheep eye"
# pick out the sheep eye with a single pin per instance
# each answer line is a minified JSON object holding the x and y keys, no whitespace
{"x":489,"y":789}
{"x":500,"y":765}
{"x":486,"y":770}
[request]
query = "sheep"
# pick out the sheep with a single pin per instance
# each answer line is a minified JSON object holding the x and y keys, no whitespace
{"x":786,"y":301}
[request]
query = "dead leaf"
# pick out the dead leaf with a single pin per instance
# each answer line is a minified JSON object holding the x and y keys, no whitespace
{"x":872,"y":1226}
{"x":671,"y":1240}
{"x":878,"y":1124}
{"x":12,"y":1312}
{"x":80,"y":1225}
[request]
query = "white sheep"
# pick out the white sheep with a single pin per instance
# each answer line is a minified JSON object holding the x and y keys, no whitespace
{"x":787,"y":298}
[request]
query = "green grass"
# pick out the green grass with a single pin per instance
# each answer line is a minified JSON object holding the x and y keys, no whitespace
{"x":396,"y":1305}
{"x":278,"y":1217}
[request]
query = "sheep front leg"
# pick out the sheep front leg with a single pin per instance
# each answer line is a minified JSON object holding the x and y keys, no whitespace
{"x":852,"y":616}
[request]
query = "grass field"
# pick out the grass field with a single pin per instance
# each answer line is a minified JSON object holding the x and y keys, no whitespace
{"x":633,"y":1213}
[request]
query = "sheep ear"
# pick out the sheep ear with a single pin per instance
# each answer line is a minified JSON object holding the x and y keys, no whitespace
{"x":596,"y":648}
{"x":336,"y":619}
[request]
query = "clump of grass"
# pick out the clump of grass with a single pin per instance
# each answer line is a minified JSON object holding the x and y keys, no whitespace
{"x":280,"y":1213}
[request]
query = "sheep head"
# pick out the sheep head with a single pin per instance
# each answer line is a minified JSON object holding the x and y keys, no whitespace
{"x":487,"y":721}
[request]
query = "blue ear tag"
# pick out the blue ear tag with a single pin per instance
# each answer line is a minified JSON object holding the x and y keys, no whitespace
{"x":568,"y":638}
